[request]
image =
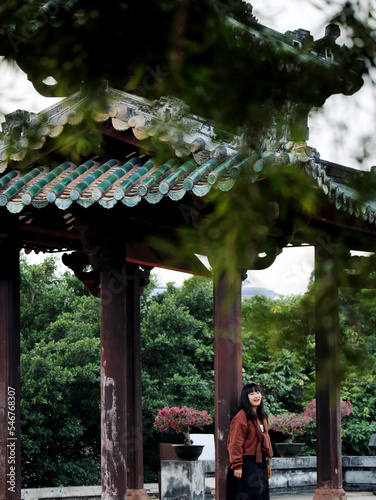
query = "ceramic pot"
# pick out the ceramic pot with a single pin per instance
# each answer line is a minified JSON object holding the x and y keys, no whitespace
{"x":289,"y":449}
{"x":187,"y":451}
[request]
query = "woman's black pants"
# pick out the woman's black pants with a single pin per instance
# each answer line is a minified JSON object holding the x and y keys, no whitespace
{"x":253,"y":484}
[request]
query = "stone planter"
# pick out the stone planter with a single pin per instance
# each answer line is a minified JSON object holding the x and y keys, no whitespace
{"x":187,"y":451}
{"x":289,"y":449}
{"x":314,"y":443}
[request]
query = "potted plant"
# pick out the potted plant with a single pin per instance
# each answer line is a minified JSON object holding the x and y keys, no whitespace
{"x":310,"y":413}
{"x":181,"y":420}
{"x":292,"y":425}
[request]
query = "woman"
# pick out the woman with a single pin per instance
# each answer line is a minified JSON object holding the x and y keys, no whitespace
{"x":249,"y":449}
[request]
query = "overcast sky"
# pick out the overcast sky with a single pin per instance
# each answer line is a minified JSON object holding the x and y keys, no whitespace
{"x":336,"y":133}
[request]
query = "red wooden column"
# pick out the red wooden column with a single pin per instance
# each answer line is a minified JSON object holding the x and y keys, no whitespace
{"x":329,"y":454}
{"x":227,"y":368}
{"x":10,"y":414}
{"x":113,"y":379}
{"x":135,"y":479}
{"x":121,"y":416}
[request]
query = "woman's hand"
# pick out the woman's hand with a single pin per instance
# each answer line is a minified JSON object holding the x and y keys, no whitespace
{"x":238,"y":473}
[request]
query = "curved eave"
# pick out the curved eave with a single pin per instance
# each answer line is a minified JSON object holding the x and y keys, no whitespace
{"x":344,"y":197}
{"x":140,"y":180}
{"x":165,"y":120}
{"x":127,"y":182}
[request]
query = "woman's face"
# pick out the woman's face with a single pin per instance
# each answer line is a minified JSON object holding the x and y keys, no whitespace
{"x":255,"y":399}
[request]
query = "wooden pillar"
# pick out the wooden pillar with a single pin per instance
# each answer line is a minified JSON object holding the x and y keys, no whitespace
{"x":227,"y":368}
{"x":329,"y":455}
{"x":10,"y":414}
{"x":135,"y":479}
{"x":121,"y":414}
{"x":113,"y":378}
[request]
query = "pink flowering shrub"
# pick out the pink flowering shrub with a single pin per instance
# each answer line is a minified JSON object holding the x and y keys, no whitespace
{"x":310,"y":410}
{"x":290,"y":424}
{"x":294,"y":424}
{"x":181,"y":420}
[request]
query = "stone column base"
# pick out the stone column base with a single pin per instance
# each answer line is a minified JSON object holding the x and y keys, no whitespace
{"x":137,"y":495}
{"x":330,"y":494}
{"x":182,"y":479}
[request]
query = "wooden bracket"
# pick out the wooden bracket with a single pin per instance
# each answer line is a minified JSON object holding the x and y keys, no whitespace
{"x":77,"y":261}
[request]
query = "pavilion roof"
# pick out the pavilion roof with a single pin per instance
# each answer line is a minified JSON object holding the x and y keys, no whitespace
{"x":137,"y":178}
{"x":199,"y":161}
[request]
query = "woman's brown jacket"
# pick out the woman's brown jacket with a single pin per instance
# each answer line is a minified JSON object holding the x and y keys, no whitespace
{"x":247,"y":438}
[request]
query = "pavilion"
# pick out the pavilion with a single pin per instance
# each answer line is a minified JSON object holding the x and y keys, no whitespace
{"x":107,"y":211}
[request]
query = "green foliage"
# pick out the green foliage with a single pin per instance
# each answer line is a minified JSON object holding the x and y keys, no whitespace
{"x":45,"y":296}
{"x":60,"y":367}
{"x":279,"y":353}
{"x":358,"y":322}
{"x":177,"y":358}
{"x":60,"y":370}
{"x":278,"y":350}
{"x":60,"y":321}
{"x":60,"y":377}
{"x":59,"y":39}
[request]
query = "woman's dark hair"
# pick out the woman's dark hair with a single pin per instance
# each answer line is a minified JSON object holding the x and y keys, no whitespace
{"x":246,"y":405}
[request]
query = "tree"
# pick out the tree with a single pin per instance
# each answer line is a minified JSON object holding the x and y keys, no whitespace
{"x":279,"y":350}
{"x":60,"y":370}
{"x":60,"y":366}
{"x":269,"y":105}
{"x":357,"y":320}
{"x":279,"y":353}
{"x":177,"y":358}
{"x":58,"y":39}
{"x":60,"y":374}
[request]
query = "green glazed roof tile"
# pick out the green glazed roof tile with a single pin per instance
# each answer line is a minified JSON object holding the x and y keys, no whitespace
{"x":201,"y":189}
{"x":140,"y":179}
{"x":248,"y":162}
{"x":92,"y":177}
{"x":162,"y":171}
{"x":39,"y":203}
{"x":169,"y":181}
{"x":63,"y":183}
{"x":226,"y":184}
{"x":37,"y":186}
{"x":154,"y":198}
{"x":176,"y":194}
{"x":19,"y":184}
{"x":282,"y":159}
{"x":131,"y":202}
{"x":107,"y":203}
{"x":262,"y":162}
{"x":189,"y":182}
{"x":7,"y":178}
{"x":223,"y":168}
{"x":63,"y":203}
{"x":106,"y":184}
{"x":120,"y":192}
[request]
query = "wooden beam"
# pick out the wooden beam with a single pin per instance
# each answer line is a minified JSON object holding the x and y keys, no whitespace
{"x":10,"y":414}
{"x":227,"y":368}
{"x":48,"y":237}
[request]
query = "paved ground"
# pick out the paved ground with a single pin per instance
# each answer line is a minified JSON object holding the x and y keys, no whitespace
{"x":361,"y":495}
